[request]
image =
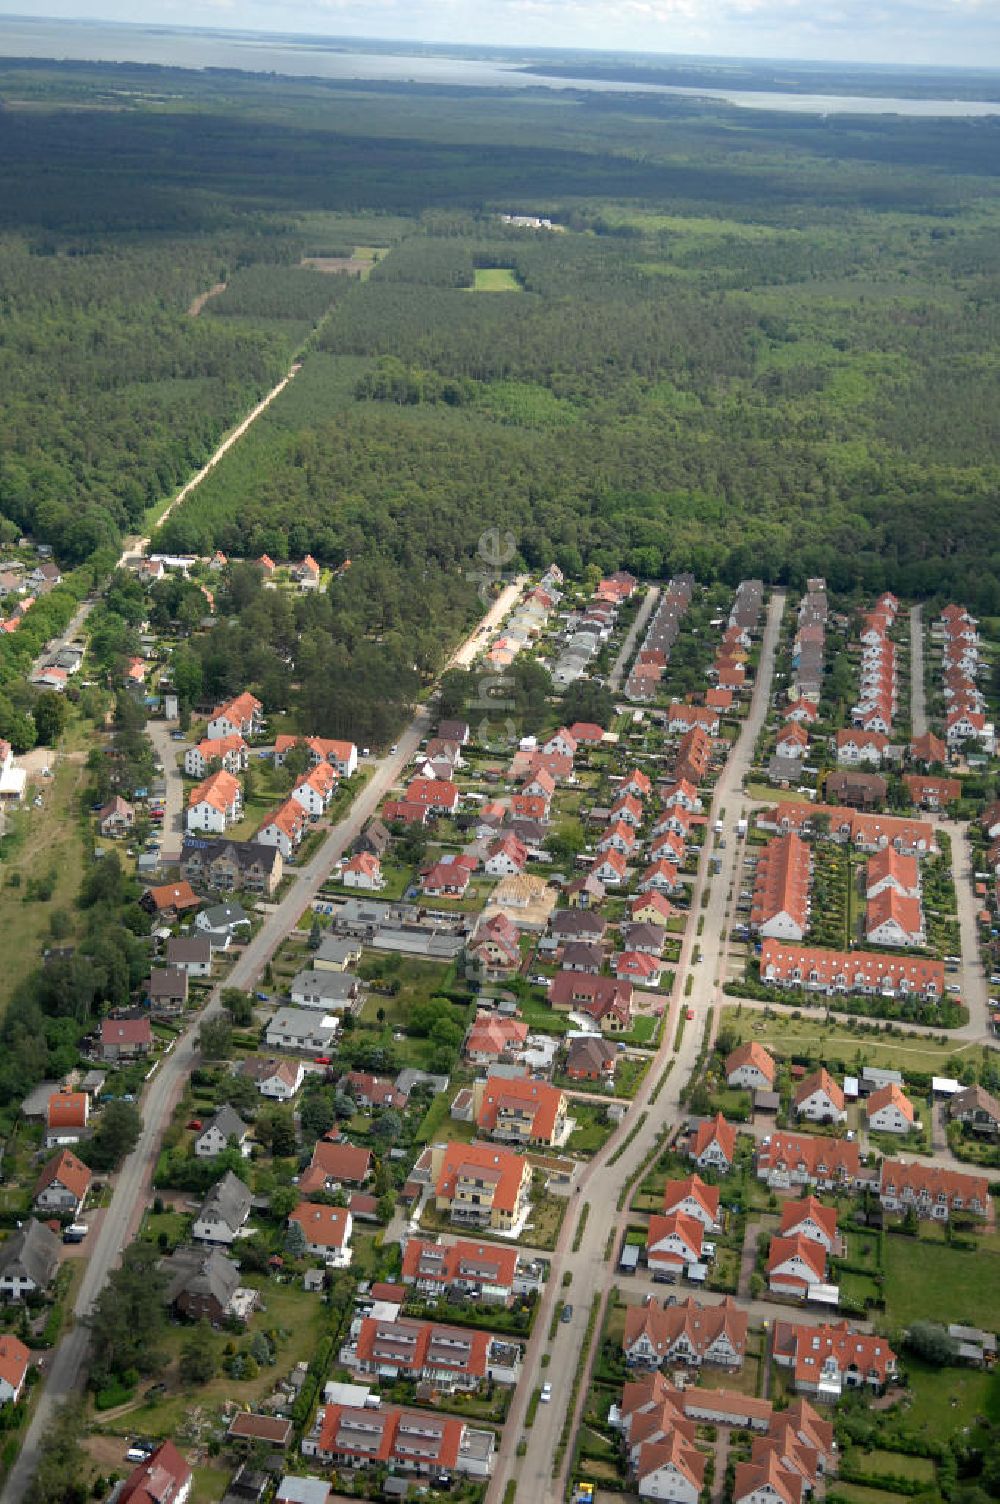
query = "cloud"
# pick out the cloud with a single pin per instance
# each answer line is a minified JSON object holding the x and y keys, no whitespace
{"x":887,"y":31}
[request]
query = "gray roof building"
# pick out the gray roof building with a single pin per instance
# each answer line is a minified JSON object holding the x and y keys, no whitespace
{"x":202,"y":1284}
{"x":223,"y":916}
{"x":325,"y":989}
{"x":227,"y":1203}
{"x":31,"y":1255}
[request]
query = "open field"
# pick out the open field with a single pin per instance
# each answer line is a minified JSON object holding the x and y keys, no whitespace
{"x":949,"y":1399}
{"x":40,"y":845}
{"x":832,"y":1042}
{"x":495,"y":279}
{"x":939,"y":1283}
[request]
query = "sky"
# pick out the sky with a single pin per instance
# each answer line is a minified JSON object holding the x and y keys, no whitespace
{"x":914,"y":32}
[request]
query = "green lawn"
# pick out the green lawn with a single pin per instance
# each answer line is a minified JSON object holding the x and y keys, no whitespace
{"x":289,"y":1309}
{"x":887,"y":1464}
{"x":945,"y":1400}
{"x":856,"y":1493}
{"x":495,"y":279}
{"x":940,"y":1283}
{"x":40,"y":843}
{"x":832,"y":1042}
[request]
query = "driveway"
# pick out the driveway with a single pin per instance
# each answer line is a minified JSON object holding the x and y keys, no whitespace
{"x":918,"y":698}
{"x":167,"y":752}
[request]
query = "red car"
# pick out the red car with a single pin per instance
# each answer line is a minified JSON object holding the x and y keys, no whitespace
{"x":195,"y":1125}
{"x":322,"y":1060}
{"x":689,"y":1014}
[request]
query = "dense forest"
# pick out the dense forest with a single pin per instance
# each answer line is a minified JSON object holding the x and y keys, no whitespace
{"x":756,"y":344}
{"x":775,"y":325}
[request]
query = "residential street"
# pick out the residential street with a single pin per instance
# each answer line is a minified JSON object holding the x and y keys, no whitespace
{"x":600,"y":1182}
{"x":918,"y":697}
{"x":631,"y":637}
{"x":166,"y":749}
{"x":67,"y":1364}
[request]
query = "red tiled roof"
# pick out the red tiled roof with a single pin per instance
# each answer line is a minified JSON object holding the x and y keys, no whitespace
{"x":751,"y":1053}
{"x":503,"y":1164}
{"x":68,"y":1109}
{"x":69,"y":1171}
{"x":326,"y":1226}
{"x":538,"y":1098}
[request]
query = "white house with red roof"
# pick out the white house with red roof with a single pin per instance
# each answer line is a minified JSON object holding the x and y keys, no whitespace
{"x":231,"y":752}
{"x":673,"y":1241}
{"x":612,"y":868}
{"x":751,"y":1067}
{"x":364,"y":870}
{"x":889,"y":1110}
{"x":561,"y":742}
{"x":506,"y":857}
{"x":14,"y":1361}
{"x":795,"y":1265}
{"x":693,"y":1198}
{"x":819,"y":1099}
{"x":164,"y":1478}
{"x":215,"y":804}
{"x":284,"y":828}
{"x":315,"y":789}
{"x":241,"y":716}
{"x":327,"y":1231}
{"x":809,"y":1218}
{"x":713,"y":1145}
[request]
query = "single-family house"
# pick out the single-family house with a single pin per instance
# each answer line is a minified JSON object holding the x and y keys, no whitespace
{"x":327,"y":1231}
{"x":219,"y":1133}
{"x":889,"y":1110}
{"x":713,"y":1145}
{"x":116,"y":818}
{"x":62,"y":1186}
{"x":29,"y":1259}
{"x":224,"y":1211}
{"x":301,"y":1029}
{"x":819,"y":1099}
{"x":125,"y":1038}
{"x":751,"y":1067}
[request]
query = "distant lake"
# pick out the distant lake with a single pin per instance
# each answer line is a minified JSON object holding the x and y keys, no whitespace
{"x":319,"y":58}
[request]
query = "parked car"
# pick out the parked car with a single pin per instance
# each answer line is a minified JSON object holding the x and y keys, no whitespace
{"x":567,"y":1313}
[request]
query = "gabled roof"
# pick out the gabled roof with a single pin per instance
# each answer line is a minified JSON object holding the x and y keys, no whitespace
{"x":228,"y":1201}
{"x":335,"y":1162}
{"x":890,"y":1096}
{"x":797,"y":1246}
{"x":69,"y":1171}
{"x":752,"y":1052}
{"x":161,"y":1479}
{"x":14,"y":1360}
{"x":819,"y":1081}
{"x":692,"y":1187}
{"x":715,"y":1131}
{"x":326,"y":1226}
{"x":795,"y":1213}
{"x":126,"y":1031}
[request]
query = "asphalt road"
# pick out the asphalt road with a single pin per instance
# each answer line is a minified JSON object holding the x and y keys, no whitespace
{"x":600,"y":1181}
{"x":918,"y":698}
{"x":639,"y":624}
{"x":67,"y":1364}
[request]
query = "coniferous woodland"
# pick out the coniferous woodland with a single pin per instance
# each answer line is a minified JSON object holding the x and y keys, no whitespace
{"x":756,"y":345}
